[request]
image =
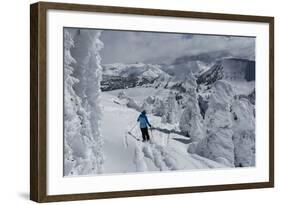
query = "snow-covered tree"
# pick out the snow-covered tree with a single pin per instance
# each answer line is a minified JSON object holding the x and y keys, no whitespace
{"x":72,"y":122}
{"x":87,"y":71}
{"x":146,"y":106}
{"x":133,"y":104}
{"x":191,"y":120}
{"x":122,"y":95}
{"x":244,"y":132}
{"x":218,"y":144}
{"x":172,"y":109}
{"x":158,"y":107}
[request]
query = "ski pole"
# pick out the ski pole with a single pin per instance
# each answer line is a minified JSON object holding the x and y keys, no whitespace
{"x":151,"y":132}
{"x":152,"y":138}
{"x":168,"y":139}
{"x":133,"y":127}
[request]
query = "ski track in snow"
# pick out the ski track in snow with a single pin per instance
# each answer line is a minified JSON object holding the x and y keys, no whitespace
{"x":125,"y":154}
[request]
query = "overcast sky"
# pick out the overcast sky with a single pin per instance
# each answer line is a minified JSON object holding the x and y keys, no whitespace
{"x":151,"y":47}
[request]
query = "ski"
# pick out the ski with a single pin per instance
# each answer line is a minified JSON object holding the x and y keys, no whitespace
{"x":134,"y":136}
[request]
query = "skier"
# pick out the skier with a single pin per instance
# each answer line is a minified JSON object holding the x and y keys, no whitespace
{"x":142,"y":119}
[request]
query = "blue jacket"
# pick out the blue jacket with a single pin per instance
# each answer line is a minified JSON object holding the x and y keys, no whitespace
{"x":143,"y":121}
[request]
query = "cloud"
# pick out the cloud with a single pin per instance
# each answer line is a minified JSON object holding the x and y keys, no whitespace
{"x":153,"y":47}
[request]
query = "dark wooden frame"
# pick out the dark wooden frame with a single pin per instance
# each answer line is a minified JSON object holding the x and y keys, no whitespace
{"x":38,"y":96}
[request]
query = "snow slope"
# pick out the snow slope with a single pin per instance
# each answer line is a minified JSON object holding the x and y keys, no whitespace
{"x":123,"y":153}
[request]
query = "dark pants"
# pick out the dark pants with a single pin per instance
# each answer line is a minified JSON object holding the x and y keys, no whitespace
{"x":145,"y":135}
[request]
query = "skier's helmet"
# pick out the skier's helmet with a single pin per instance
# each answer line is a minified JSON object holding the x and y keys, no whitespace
{"x":143,"y":112}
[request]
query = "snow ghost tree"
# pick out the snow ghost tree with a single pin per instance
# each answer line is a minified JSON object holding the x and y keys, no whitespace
{"x":82,"y":106}
{"x":158,"y":107}
{"x":122,"y":95}
{"x":147,"y":105}
{"x":244,"y":132}
{"x":171,"y":112}
{"x":218,"y":144}
{"x":72,"y":121}
{"x":191,"y":120}
{"x":133,"y":104}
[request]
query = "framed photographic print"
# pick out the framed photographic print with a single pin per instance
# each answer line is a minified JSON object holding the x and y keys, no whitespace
{"x":135,"y":102}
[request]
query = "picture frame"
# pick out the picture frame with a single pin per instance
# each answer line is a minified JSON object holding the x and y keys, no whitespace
{"x":40,"y":101}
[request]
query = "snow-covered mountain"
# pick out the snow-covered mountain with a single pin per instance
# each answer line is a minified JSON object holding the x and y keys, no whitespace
{"x":132,"y":70}
{"x":180,"y":70}
{"x":173,"y":76}
{"x":231,"y":69}
{"x":118,"y":76}
{"x":239,"y":72}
